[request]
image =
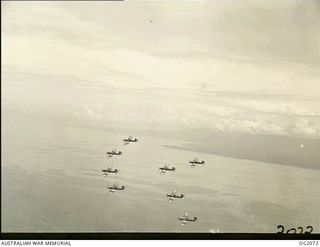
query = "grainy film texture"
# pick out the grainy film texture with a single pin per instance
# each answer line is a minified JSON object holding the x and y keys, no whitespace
{"x":161,"y":116}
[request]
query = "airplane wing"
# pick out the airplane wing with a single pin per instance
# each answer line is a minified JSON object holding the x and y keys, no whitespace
{"x":186,"y":214}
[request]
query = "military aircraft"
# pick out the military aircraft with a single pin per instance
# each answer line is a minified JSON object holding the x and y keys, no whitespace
{"x":195,"y":162}
{"x":166,"y":168}
{"x":174,"y":195}
{"x":185,"y":219}
{"x":109,"y":170}
{"x":113,"y":152}
{"x":129,"y":139}
{"x":115,"y":187}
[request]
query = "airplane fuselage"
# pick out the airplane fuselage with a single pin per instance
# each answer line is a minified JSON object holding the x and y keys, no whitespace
{"x":197,"y":162}
{"x":188,"y":219}
{"x":175,"y":196}
{"x":130,"y":140}
{"x":110,"y":171}
{"x":167,"y":169}
{"x":114,"y":153}
{"x":116,"y":188}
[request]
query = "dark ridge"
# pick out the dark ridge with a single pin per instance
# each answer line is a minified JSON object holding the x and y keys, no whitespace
{"x":284,"y":150}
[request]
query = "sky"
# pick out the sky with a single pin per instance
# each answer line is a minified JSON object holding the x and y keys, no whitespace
{"x":244,"y":66}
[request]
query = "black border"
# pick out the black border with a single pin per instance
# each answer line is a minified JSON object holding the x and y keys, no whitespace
{"x":157,"y":236}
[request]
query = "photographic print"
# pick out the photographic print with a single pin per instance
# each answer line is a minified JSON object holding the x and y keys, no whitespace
{"x":160,"y":117}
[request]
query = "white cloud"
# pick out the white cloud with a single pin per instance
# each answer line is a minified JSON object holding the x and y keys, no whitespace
{"x":99,"y":59}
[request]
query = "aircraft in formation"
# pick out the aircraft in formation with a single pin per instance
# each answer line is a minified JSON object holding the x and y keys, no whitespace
{"x":174,"y":195}
{"x":129,"y":139}
{"x":185,"y":219}
{"x":166,"y":168}
{"x":113,"y":152}
{"x":109,"y":170}
{"x":113,"y":188}
{"x":196,"y":162}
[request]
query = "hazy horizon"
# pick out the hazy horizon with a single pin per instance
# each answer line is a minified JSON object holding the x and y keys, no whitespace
{"x":233,"y":82}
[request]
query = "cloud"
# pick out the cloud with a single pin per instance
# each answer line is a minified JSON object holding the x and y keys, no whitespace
{"x":111,"y":41}
{"x":115,"y":62}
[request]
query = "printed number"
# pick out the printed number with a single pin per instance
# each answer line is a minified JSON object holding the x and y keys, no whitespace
{"x":293,"y":230}
{"x":308,"y":243}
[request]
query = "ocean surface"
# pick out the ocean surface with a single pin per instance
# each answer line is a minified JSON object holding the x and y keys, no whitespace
{"x":52,"y":182}
{"x":196,"y":79}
